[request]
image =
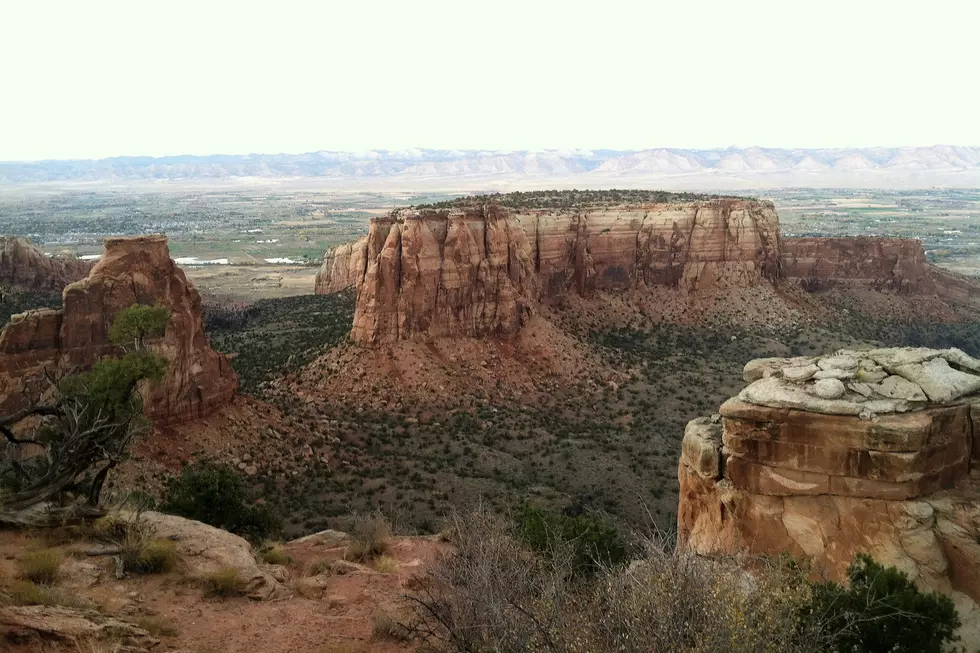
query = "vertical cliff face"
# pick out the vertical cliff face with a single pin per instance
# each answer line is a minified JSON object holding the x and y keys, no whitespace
{"x":897,"y":264}
{"x":826,"y":457}
{"x":25,"y":267}
{"x":132,"y":271}
{"x":456,"y":272}
{"x":480,"y":270}
{"x":343,"y":267}
{"x":693,"y":246}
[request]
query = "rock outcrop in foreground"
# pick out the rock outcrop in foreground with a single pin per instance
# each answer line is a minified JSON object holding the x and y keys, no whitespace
{"x":135,"y":270}
{"x":872,"y":451}
{"x":480,"y":270}
{"x":25,"y":267}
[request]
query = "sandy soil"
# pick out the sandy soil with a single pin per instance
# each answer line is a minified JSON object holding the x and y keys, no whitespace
{"x":335,"y":613}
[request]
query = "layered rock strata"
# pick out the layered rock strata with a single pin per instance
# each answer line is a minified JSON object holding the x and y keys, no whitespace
{"x":428,"y":271}
{"x":445,"y":273}
{"x":132,"y":271}
{"x":25,"y":267}
{"x":826,"y":457}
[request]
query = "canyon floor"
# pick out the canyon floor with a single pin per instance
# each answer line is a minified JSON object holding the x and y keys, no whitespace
{"x":585,"y":409}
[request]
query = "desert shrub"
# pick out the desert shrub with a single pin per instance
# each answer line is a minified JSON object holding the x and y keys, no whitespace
{"x":370,"y":537}
{"x":272,"y":554}
{"x":41,"y":566}
{"x":882,"y":611}
{"x":141,"y":552}
{"x":224,"y":582}
{"x":216,"y":494}
{"x":322,"y":566}
{"x":494,"y":593}
{"x":591,"y":542}
{"x":384,"y":627}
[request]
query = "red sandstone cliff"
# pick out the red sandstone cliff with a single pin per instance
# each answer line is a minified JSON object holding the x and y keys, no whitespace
{"x":444,"y":273}
{"x":481,"y":270}
{"x":132,"y":271}
{"x":25,"y":267}
{"x":690,"y":247}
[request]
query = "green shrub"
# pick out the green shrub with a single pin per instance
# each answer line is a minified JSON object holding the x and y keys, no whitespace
{"x":41,"y":567}
{"x":216,"y":494}
{"x":882,"y":611}
{"x":591,"y":542}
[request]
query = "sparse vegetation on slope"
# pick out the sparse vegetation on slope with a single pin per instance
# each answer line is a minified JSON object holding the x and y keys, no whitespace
{"x":575,"y":199}
{"x":493,"y":594}
{"x":274,"y":336}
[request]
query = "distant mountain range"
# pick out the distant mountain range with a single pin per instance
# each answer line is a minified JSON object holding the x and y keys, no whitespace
{"x":754,"y":166}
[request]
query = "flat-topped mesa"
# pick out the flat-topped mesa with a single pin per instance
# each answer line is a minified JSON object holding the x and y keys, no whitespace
{"x":478,"y":269}
{"x":134,"y":270}
{"x":858,"y":452}
{"x":24,"y":267}
{"x":444,"y":272}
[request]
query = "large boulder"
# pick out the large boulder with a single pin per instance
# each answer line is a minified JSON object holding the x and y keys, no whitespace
{"x":206,"y":549}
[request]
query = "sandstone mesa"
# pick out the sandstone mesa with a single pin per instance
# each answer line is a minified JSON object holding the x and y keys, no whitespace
{"x":481,"y":270}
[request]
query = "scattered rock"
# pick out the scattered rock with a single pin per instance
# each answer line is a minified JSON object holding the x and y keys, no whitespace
{"x":800,"y":373}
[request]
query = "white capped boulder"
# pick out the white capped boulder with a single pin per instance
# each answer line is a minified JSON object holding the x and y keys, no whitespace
{"x":829,"y":388}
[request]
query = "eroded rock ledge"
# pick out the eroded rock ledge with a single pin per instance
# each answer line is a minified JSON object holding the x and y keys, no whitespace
{"x":135,"y":270}
{"x":871,"y":451}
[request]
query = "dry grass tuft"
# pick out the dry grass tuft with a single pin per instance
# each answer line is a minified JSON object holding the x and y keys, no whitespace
{"x":272,"y":554}
{"x":385,"y":564}
{"x":25,"y":592}
{"x":370,"y":537}
{"x":225,"y":582}
{"x":42,"y":566}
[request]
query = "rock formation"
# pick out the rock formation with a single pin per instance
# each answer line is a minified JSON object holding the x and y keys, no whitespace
{"x":134,"y":270}
{"x":445,"y":273}
{"x":691,"y":247}
{"x":25,"y":267}
{"x":343,"y":267}
{"x":480,"y":270}
{"x":864,"y":451}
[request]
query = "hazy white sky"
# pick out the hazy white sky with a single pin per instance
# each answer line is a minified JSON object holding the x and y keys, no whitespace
{"x":93,"y":78}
